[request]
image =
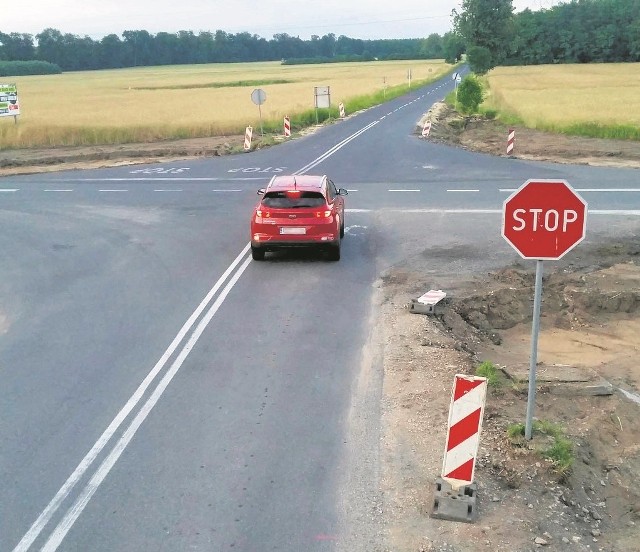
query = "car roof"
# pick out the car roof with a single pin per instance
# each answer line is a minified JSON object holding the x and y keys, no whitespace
{"x":298,"y":182}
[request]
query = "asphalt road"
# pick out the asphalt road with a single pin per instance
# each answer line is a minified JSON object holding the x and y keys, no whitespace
{"x":159,"y":391}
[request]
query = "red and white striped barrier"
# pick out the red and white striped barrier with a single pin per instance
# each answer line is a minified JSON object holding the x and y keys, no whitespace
{"x":247,"y":138}
{"x":426,"y":129}
{"x":463,"y":432}
{"x":341,"y":108}
{"x":510,"y":141}
{"x":287,"y":127}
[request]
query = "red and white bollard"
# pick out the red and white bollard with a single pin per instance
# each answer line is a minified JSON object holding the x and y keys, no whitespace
{"x":247,"y":138}
{"x":341,"y":108}
{"x":455,"y":494}
{"x":510,"y":141}
{"x":287,"y":127}
{"x":463,"y":433}
{"x":426,"y":129}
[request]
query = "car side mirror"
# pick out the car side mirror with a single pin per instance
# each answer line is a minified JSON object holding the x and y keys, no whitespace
{"x":342,"y":191}
{"x":261,"y":191}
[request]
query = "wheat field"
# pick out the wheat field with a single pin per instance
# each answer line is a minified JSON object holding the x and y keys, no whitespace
{"x":556,"y":97}
{"x":155,"y":103}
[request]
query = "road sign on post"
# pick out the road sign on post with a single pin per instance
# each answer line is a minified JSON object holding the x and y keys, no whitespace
{"x":542,"y":220}
{"x":258,"y":97}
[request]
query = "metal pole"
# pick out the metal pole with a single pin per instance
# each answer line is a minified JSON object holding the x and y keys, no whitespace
{"x":535,"y":330}
{"x":260,"y":111}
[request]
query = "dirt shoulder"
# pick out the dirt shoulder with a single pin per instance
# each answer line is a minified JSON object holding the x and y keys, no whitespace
{"x":587,"y":353}
{"x":490,"y":136}
{"x":40,"y":160}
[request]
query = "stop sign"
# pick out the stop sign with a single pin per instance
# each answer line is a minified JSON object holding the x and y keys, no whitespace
{"x":544,"y":219}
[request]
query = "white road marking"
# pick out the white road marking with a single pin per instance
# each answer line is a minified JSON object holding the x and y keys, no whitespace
{"x":350,"y":190}
{"x":167,"y":190}
{"x":112,"y":191}
{"x":78,"y":506}
{"x":335,"y":148}
{"x":58,"y":190}
{"x":9,"y":189}
{"x":226,"y":190}
{"x":53,"y":506}
{"x":402,"y":190}
{"x":463,"y":190}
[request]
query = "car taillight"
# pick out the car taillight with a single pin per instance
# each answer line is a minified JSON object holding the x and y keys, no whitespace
{"x":263,"y":213}
{"x":323,"y":214}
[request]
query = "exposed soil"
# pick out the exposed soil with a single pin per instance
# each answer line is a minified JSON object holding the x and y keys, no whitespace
{"x":589,"y":341}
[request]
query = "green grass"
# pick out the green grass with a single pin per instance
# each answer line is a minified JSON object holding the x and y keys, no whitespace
{"x":559,"y":451}
{"x":596,"y":130}
{"x":490,"y":371}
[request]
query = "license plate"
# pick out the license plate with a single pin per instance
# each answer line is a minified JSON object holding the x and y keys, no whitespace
{"x":293,"y":230}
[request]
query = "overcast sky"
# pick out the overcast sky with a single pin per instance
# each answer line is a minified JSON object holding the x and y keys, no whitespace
{"x":368,"y":19}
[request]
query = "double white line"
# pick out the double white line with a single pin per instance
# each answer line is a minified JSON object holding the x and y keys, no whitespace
{"x":335,"y":148}
{"x":231,"y":276}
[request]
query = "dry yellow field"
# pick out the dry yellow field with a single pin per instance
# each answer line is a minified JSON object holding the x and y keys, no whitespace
{"x":130,"y":105}
{"x":544,"y":96}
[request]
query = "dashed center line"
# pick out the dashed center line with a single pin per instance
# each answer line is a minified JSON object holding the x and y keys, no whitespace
{"x":403,"y":190}
{"x":58,"y":190}
{"x":112,"y":191}
{"x":167,"y":190}
{"x":462,"y":190}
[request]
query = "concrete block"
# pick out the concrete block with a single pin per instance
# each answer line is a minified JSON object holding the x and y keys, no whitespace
{"x":455,"y":505}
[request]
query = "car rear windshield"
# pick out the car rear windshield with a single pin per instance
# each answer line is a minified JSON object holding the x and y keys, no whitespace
{"x":282,"y":200}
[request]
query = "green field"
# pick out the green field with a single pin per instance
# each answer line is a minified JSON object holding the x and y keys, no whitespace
{"x":157,"y":103}
{"x":593,"y":100}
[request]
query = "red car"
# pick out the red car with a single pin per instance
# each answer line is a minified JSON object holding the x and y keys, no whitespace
{"x":298,"y":211}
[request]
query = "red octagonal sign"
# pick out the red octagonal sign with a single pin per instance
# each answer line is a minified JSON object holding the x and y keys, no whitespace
{"x":544,"y":219}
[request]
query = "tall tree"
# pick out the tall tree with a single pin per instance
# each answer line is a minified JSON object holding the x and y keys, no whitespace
{"x":486,"y":24}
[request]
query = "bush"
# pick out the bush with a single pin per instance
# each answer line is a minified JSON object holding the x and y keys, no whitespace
{"x":21,"y":68}
{"x":470,"y":95}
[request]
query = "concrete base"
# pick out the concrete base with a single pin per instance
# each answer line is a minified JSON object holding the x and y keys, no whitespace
{"x":453,"y":505}
{"x":419,"y":308}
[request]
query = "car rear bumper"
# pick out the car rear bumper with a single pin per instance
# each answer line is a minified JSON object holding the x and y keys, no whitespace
{"x":278,"y":242}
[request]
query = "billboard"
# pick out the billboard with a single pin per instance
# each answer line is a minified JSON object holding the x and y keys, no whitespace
{"x":9,"y":106}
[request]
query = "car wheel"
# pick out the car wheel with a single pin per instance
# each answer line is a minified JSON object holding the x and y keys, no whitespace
{"x":342,"y":228}
{"x":334,"y":252}
{"x":257,"y":253}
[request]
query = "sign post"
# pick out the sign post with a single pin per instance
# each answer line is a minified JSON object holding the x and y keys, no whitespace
{"x":258,"y":97}
{"x":542,"y":220}
{"x":321,"y":99}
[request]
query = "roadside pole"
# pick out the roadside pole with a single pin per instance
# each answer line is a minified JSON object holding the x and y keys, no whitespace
{"x":535,"y":330}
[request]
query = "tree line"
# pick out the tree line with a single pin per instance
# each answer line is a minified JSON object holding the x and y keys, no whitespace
{"x":488,"y":31}
{"x":580,"y":31}
{"x":141,"y":48}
